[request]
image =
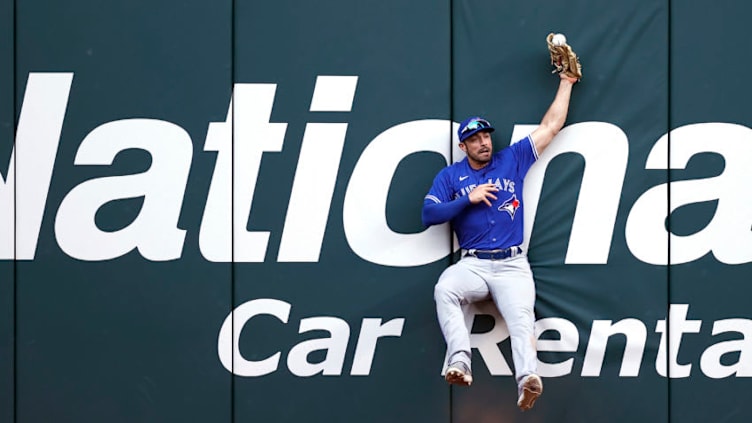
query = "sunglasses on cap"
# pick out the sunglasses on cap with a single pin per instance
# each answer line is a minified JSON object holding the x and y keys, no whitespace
{"x":475,"y":124}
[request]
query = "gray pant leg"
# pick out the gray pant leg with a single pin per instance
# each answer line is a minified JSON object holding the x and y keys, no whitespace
{"x":458,"y":285}
{"x":513,"y":290}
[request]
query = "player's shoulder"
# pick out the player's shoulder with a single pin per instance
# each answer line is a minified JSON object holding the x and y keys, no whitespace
{"x":524,"y":143}
{"x":449,"y":174}
{"x":505,"y":152}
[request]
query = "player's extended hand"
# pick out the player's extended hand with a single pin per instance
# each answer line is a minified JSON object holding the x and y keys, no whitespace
{"x":482,"y":193}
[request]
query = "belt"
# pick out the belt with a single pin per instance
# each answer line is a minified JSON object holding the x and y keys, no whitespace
{"x":494,"y":254}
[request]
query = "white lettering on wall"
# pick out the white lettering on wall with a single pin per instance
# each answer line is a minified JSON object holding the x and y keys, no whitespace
{"x":23,"y":193}
{"x":728,"y":234}
{"x":364,"y":211}
{"x":154,"y":232}
{"x":605,"y":149}
{"x":298,"y":357}
{"x":316,"y":176}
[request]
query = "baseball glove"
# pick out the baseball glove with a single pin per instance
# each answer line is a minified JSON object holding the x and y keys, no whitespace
{"x":564,"y":59}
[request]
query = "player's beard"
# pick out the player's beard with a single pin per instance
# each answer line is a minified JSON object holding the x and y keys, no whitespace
{"x":481,"y":158}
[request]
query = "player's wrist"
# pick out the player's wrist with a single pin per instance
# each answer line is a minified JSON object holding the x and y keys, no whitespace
{"x":572,"y":80}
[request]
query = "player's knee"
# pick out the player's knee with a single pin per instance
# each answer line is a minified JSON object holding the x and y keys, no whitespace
{"x":522,"y":323}
{"x":442,"y":294}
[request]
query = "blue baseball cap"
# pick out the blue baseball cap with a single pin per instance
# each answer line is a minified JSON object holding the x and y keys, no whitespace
{"x":472,"y":126}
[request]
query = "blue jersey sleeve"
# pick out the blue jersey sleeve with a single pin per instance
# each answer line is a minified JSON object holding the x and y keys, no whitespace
{"x":439,"y":206}
{"x":525,"y":153}
{"x":436,"y":213}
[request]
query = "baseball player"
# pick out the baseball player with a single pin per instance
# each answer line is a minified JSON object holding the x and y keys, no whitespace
{"x":482,"y":197}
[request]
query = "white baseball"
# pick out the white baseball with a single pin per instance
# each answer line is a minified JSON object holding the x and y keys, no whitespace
{"x":558,"y":40}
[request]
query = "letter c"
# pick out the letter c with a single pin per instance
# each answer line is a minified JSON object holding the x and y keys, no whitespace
{"x":228,"y":346}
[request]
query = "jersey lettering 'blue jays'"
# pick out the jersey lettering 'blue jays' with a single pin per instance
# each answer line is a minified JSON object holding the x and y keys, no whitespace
{"x":478,"y":226}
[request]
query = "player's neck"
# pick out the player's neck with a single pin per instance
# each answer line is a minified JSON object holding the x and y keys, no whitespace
{"x":476,"y":165}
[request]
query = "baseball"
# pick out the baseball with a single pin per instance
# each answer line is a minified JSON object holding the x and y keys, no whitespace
{"x":559,"y":40}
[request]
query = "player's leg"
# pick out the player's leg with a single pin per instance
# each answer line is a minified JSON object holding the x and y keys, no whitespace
{"x":513,"y":291}
{"x":458,"y":285}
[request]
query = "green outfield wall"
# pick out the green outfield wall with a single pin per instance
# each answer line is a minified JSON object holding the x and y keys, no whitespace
{"x":210,"y":211}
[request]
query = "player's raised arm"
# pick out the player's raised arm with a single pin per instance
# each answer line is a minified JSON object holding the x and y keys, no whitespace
{"x":556,"y":115}
{"x":568,"y":66}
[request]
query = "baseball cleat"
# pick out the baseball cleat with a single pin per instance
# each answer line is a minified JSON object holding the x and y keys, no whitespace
{"x":458,"y":374}
{"x":531,"y":389}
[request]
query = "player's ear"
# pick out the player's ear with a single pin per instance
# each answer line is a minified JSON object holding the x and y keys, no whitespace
{"x":463,"y":147}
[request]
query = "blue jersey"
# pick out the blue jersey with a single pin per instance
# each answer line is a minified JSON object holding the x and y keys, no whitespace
{"x":478,"y":226}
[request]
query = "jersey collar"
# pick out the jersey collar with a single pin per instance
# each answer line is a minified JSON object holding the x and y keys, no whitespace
{"x":489,"y":166}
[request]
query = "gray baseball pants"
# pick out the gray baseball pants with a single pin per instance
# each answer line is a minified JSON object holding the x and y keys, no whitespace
{"x":509,"y":282}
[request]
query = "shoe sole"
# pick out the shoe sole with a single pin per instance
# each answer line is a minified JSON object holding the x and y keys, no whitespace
{"x":456,"y":376}
{"x":531,"y":390}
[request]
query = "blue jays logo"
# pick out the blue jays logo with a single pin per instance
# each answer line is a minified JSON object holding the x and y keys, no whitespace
{"x":510,"y":206}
